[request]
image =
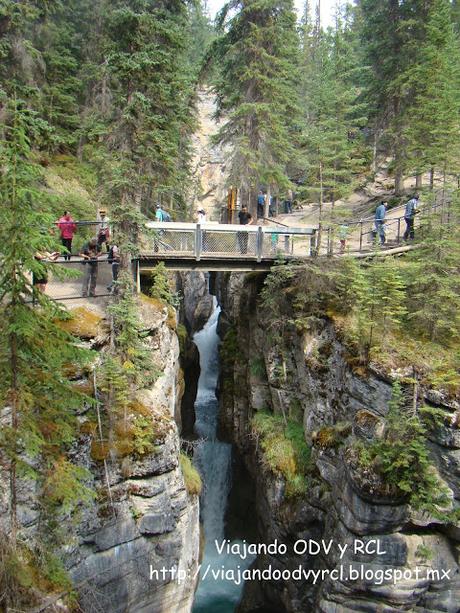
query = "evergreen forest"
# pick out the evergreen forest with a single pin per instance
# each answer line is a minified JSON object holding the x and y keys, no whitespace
{"x":98,"y":111}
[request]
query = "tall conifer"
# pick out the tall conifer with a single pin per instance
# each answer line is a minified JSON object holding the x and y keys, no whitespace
{"x":257,"y":94}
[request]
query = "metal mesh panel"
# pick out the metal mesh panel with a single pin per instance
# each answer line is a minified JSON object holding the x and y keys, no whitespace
{"x":228,"y":243}
{"x":171,"y":241}
{"x":65,"y":279}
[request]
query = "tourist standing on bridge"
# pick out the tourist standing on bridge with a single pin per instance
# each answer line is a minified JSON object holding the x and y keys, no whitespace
{"x":245,"y":220}
{"x":202,"y":220}
{"x":380,"y":214}
{"x":409,"y":217}
{"x":261,"y":204}
{"x":114,"y":260}
{"x":90,"y":254}
{"x":103,"y":232}
{"x":40,"y":279}
{"x":67,"y":228}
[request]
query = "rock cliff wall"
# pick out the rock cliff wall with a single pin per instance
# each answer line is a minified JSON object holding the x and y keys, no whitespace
{"x":124,"y":551}
{"x":306,"y":375}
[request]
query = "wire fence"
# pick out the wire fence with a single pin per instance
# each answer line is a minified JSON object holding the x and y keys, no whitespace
{"x":227,"y":240}
{"x":77,"y":279}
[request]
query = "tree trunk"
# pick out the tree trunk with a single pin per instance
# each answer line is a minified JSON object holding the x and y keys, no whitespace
{"x":318,"y":244}
{"x":14,"y":426}
{"x":418,"y":180}
{"x":374,"y":153}
{"x":431,"y":179}
{"x":399,"y":181}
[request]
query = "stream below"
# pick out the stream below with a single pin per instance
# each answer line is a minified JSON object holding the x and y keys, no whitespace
{"x":214,"y":461}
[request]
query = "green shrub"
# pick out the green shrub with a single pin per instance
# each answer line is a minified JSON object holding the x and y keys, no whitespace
{"x":192,"y":479}
{"x":257,"y":367}
{"x":401,"y":459}
{"x":161,"y":286}
{"x":229,"y":350}
{"x":433,"y":417}
{"x":285,"y":451}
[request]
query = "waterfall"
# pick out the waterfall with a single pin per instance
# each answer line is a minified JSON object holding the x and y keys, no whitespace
{"x":213,"y":459}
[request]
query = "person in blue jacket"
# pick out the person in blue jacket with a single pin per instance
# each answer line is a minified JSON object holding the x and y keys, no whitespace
{"x":380,"y":213}
{"x":409,"y":216}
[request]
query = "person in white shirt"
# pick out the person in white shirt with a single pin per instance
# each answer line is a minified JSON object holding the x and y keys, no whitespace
{"x":201,"y":219}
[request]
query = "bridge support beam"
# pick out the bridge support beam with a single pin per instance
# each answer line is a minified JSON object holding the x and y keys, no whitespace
{"x":198,"y":241}
{"x":259,"y":244}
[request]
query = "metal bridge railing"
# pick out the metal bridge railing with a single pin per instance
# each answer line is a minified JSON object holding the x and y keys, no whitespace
{"x":227,"y":240}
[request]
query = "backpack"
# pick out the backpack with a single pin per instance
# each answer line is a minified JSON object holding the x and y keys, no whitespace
{"x":165,"y":216}
{"x":110,"y":256}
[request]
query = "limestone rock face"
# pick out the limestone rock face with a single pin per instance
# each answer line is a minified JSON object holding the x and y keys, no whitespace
{"x":125,"y":552}
{"x":197,"y":301}
{"x":306,"y":374}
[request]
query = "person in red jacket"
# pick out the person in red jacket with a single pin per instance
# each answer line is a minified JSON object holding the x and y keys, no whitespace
{"x":67,"y":227}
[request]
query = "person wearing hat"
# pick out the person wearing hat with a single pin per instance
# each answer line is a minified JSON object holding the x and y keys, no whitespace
{"x":201,"y":216}
{"x":103,"y":233}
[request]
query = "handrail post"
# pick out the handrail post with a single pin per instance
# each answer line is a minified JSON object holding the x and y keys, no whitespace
{"x":138,"y":276}
{"x":360,"y":235}
{"x":313,"y":244}
{"x":198,"y":237}
{"x":259,"y":243}
{"x":398,"y":240}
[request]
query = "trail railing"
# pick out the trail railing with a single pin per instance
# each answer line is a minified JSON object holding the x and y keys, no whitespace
{"x":363,"y":234}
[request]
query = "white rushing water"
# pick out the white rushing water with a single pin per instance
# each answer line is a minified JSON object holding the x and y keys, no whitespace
{"x":213,"y":459}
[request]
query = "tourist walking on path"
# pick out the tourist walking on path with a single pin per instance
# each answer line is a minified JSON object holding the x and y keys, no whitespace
{"x":343,"y":235}
{"x":90,"y":254}
{"x":245,"y":219}
{"x":409,"y":217}
{"x":161,"y":214}
{"x":67,"y":228}
{"x":380,"y":214}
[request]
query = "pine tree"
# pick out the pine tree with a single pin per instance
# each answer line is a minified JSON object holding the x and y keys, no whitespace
{"x":434,"y":128}
{"x":257,"y":94}
{"x":200,"y":36}
{"x":145,"y":118}
{"x":433,"y":302}
{"x":35,"y":352}
{"x":391,"y":35}
{"x":332,"y":141}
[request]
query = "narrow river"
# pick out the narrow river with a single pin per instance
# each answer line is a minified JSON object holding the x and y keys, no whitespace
{"x":214,"y":461}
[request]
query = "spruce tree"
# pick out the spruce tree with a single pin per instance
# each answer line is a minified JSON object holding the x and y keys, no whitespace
{"x":35,"y":352}
{"x":391,"y":33}
{"x":433,"y":301}
{"x":332,"y":142}
{"x":257,"y":94}
{"x":433,"y":131}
